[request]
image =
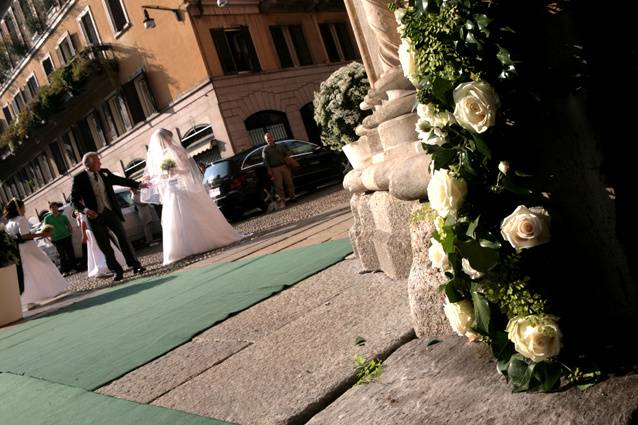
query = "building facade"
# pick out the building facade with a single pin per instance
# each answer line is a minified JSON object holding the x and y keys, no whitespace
{"x":101,"y":75}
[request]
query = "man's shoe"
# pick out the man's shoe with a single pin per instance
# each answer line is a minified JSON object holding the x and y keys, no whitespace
{"x":138,"y":270}
{"x":118,"y":277}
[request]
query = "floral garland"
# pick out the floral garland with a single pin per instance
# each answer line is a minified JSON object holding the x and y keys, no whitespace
{"x":487,"y":219}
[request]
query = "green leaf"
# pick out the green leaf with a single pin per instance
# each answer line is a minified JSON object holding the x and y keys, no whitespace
{"x":442,"y":157}
{"x":481,"y":259}
{"x":483,"y":22}
{"x":360,"y":341}
{"x":501,"y":346}
{"x":442,"y":89}
{"x":548,"y":375}
{"x":482,"y":313}
{"x":520,"y":373}
{"x":489,"y":244}
{"x":503,"y":55}
{"x":516,"y":189}
{"x":448,"y":242}
{"x":471,"y":229}
{"x":481,"y":146}
{"x":502,"y":365}
{"x":457,"y":289}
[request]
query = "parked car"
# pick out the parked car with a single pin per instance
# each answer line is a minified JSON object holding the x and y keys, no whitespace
{"x":241,"y":183}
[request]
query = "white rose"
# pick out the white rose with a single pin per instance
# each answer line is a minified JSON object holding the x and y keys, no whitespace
{"x":437,"y":255}
{"x":461,"y":316}
{"x":475,"y":105}
{"x":504,"y":167}
{"x":428,"y":113}
{"x":446,"y":193}
{"x":467,"y":268}
{"x":406,"y":57}
{"x":526,"y":227}
{"x":535,"y":337}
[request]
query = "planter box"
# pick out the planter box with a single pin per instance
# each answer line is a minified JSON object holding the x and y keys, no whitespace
{"x":10,"y":307}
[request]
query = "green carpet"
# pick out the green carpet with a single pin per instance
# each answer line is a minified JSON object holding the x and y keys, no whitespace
{"x":29,"y":401}
{"x":95,"y":341}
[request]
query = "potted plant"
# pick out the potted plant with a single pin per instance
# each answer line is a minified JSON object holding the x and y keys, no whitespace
{"x":10,"y":307}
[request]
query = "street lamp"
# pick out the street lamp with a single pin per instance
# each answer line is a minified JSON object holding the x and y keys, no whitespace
{"x":150,"y":22}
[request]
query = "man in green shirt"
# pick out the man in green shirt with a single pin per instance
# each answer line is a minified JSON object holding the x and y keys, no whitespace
{"x":61,"y":237}
{"x":274,"y":156}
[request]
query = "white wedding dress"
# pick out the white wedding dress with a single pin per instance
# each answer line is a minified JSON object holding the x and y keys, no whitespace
{"x":42,"y":280}
{"x":191,"y":221}
{"x":95,"y":259}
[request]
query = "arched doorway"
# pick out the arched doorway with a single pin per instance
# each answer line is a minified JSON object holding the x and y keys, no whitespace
{"x":308,"y":117}
{"x":275,"y":122}
{"x":135,"y":168}
{"x":201,"y":144}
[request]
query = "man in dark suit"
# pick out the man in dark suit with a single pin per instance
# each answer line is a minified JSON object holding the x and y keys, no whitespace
{"x":93,"y":194}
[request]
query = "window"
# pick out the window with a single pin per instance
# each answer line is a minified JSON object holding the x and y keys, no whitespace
{"x":291,"y":45}
{"x":58,"y":158}
{"x":117,"y":13}
{"x":32,"y":86}
{"x":70,"y":148}
{"x":7,"y":114}
{"x":18,"y":102}
{"x":144,"y":93}
{"x":47,"y":65}
{"x":110,"y":121}
{"x":235,"y":50}
{"x":87,"y":25}
{"x":133,"y":102}
{"x":65,"y":49}
{"x":119,"y":113}
{"x":252,"y":159}
{"x":336,"y":39}
{"x":96,"y":129}
{"x":299,"y":148}
{"x":85,"y":139}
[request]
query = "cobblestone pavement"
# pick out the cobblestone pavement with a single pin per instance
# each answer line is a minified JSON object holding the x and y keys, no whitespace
{"x":259,"y":225}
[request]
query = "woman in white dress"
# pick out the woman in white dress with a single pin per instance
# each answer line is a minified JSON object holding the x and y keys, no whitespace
{"x":42,"y":280}
{"x":191,"y":221}
{"x":95,"y":259}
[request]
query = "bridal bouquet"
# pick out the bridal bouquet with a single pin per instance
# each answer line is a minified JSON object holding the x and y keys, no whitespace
{"x":167,"y":165}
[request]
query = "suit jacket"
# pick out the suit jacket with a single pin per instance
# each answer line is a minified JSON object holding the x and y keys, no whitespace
{"x":82,"y":194}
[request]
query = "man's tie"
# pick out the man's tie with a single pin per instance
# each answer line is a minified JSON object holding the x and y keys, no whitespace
{"x":95,"y":175}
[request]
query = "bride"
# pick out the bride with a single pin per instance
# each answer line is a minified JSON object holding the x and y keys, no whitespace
{"x":191,"y":221}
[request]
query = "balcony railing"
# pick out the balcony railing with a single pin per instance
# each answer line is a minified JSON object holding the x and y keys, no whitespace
{"x":64,"y":83}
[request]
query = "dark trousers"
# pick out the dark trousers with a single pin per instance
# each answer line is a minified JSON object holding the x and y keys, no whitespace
{"x":100,"y":226}
{"x":67,"y":254}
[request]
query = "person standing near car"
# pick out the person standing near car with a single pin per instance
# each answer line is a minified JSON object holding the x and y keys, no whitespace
{"x":275,"y":159}
{"x":61,"y":237}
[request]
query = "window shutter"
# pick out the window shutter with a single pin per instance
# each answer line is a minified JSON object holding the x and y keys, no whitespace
{"x":223,"y":51}
{"x":133,"y":102}
{"x":299,"y":41}
{"x":254,"y":60}
{"x":282,"y":48}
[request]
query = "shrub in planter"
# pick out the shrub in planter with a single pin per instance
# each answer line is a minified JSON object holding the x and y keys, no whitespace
{"x":337,"y":103}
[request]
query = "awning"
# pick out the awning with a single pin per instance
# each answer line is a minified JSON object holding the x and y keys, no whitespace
{"x":202,"y":145}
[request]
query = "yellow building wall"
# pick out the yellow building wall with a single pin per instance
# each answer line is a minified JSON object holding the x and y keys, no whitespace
{"x":168,"y":53}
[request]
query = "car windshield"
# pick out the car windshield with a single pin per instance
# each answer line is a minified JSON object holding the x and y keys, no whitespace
{"x":124,"y":199}
{"x":218,"y":170}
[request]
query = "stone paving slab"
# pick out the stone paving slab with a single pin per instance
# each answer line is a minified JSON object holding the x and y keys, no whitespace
{"x":455,"y":382}
{"x":290,"y":374}
{"x":156,"y":378}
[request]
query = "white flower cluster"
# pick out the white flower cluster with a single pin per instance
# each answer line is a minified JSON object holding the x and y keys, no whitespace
{"x":476,"y":103}
{"x":337,"y":102}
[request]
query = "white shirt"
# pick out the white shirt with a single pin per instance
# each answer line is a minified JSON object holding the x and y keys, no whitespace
{"x":99,"y":189}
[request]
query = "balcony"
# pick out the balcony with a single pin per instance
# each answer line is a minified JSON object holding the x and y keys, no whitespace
{"x":65,"y":85}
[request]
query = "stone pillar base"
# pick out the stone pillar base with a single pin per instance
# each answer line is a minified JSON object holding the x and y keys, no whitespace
{"x":391,"y":236}
{"x":362,"y":232}
{"x":426,"y":301}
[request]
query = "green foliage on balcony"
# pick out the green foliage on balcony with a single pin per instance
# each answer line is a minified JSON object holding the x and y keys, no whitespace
{"x":64,"y":82}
